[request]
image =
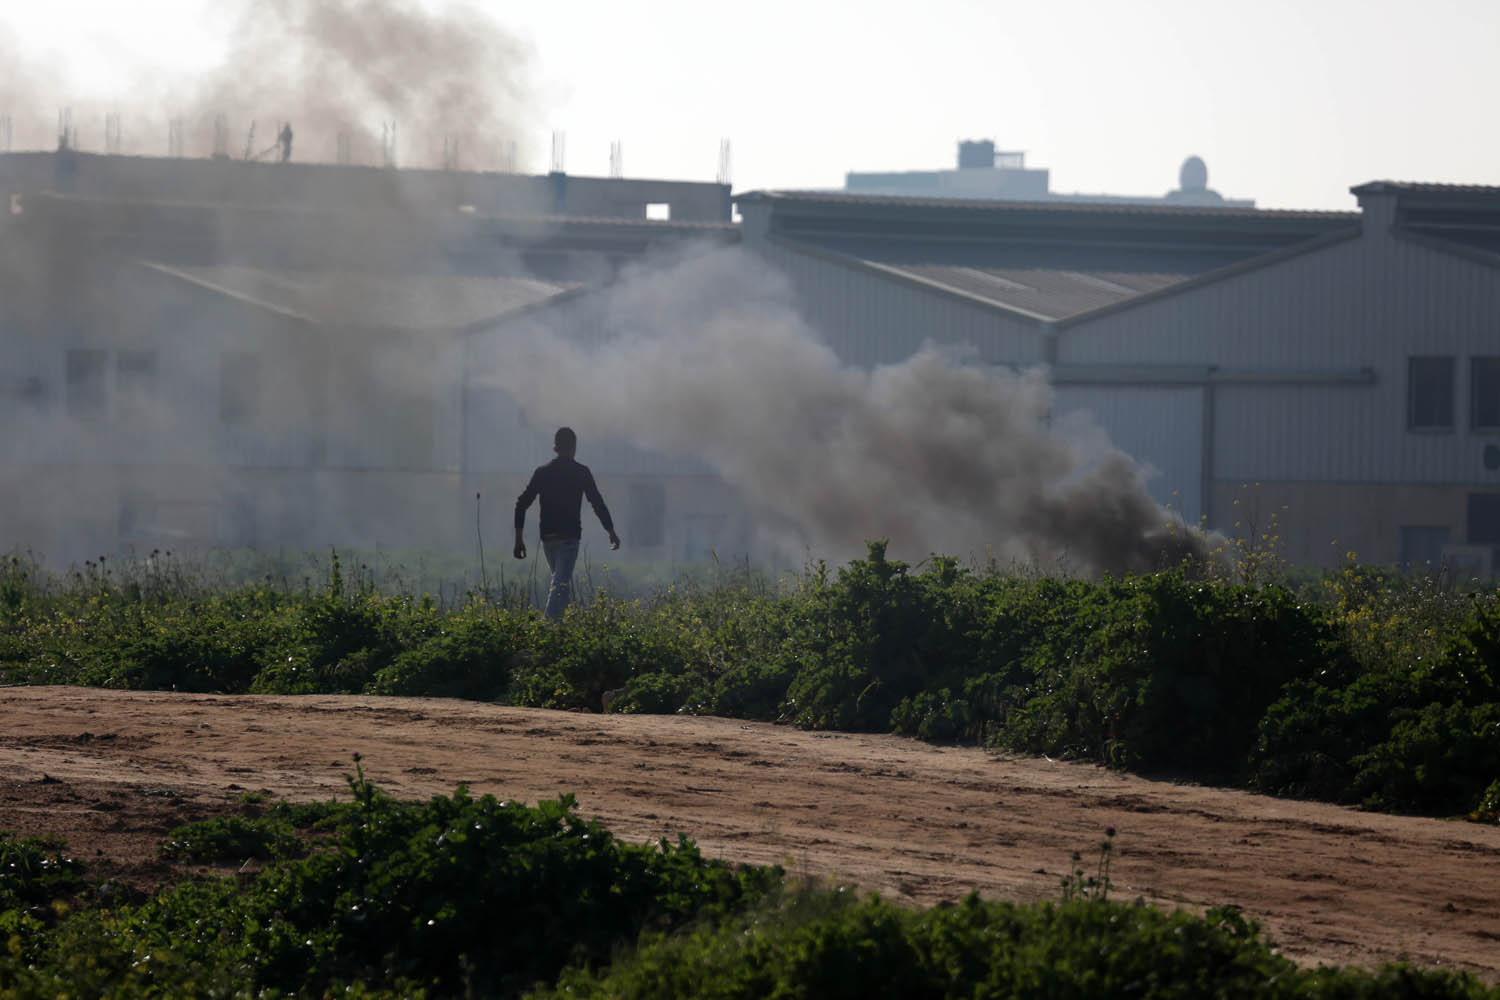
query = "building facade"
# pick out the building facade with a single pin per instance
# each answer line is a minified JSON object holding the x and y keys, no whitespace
{"x":200,"y":354}
{"x":1328,"y":378}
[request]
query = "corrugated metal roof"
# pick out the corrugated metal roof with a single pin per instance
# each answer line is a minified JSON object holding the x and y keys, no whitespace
{"x":993,"y":205}
{"x":1424,"y":187}
{"x":1051,"y":294}
{"x":1042,"y":282}
{"x":386,"y":301}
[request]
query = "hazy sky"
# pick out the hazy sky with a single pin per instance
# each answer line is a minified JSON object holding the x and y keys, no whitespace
{"x":1290,"y":102}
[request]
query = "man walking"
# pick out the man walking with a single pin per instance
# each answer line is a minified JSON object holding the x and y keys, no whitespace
{"x":562,"y":484}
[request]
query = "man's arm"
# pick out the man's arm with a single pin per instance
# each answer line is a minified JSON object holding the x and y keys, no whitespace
{"x":522,"y":502}
{"x":596,"y":501}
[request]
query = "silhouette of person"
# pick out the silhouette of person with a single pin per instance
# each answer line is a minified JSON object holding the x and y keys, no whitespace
{"x":286,"y":141}
{"x":562,"y":484}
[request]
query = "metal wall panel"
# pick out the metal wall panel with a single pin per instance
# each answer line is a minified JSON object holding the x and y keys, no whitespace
{"x":1370,"y":302}
{"x":1161,"y":428}
{"x":869,"y":319}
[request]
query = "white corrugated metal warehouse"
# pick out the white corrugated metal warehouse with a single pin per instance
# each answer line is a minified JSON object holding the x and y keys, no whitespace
{"x":1336,"y":372}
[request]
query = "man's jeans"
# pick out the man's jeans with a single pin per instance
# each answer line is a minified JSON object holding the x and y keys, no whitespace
{"x":561,"y":554}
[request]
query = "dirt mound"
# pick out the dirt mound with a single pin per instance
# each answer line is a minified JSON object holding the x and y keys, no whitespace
{"x":112,"y":771}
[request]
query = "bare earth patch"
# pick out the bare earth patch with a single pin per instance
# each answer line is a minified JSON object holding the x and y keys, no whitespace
{"x":112,"y":771}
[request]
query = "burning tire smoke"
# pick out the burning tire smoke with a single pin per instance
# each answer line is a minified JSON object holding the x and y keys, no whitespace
{"x":452,"y":80}
{"x":708,"y":357}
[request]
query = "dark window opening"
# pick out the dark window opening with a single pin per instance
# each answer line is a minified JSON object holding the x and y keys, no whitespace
{"x":135,"y":383}
{"x":239,"y":388}
{"x":1484,"y":519}
{"x":648,"y":515}
{"x":1484,"y":394}
{"x":1421,"y":546}
{"x":137,"y":516}
{"x":1429,"y":393}
{"x":85,"y":384}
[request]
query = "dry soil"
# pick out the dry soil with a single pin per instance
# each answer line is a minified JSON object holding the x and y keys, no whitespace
{"x":113,"y":771}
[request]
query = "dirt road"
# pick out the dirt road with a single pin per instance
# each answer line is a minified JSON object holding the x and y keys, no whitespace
{"x":112,"y":771}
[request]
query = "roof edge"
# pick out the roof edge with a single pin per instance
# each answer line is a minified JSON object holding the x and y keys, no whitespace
{"x":999,"y":205}
{"x":228,"y":293}
{"x":1423,"y":187}
{"x":1269,"y":259}
{"x":926,"y":284}
{"x":1451,"y":247}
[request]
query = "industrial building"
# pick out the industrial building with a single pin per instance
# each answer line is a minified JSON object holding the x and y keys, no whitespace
{"x":986,"y":172}
{"x":199,"y":353}
{"x":1332,"y":377}
{"x":213,"y":352}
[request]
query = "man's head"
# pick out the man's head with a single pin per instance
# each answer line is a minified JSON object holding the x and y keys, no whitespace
{"x":565,"y":442}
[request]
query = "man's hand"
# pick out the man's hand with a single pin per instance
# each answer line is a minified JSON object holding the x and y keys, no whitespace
{"x":614,"y":540}
{"x":520,"y":550}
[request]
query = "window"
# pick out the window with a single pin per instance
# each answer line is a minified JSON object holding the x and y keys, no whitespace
{"x":1421,"y":546}
{"x":659,"y":211}
{"x":239,"y":388}
{"x":648,"y":515}
{"x":1484,"y":394}
{"x":1484,"y":519}
{"x":85,"y":384}
{"x":135,"y":383}
{"x":1429,"y":393}
{"x":137,"y":516}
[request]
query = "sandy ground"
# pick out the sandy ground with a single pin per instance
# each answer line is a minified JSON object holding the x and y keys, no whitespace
{"x":112,"y":771}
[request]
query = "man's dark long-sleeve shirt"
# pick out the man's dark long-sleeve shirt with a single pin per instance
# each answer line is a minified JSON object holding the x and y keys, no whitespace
{"x":562,"y":484}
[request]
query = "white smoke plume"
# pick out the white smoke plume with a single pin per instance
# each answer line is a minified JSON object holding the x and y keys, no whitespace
{"x":708,"y":357}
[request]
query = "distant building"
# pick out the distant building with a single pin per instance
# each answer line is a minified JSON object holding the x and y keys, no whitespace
{"x":984,"y":172}
{"x":1329,"y":378}
{"x":216,"y":353}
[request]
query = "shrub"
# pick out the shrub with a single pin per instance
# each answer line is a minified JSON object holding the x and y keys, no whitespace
{"x":468,"y":658}
{"x":455,"y":894}
{"x":833,"y":946}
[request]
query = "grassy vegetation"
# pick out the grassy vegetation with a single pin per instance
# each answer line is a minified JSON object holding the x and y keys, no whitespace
{"x":1360,"y":686}
{"x":450,"y":897}
{"x":459,"y":896}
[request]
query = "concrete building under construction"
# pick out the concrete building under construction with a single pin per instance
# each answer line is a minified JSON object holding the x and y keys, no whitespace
{"x":211,"y":352}
{"x":205,"y":352}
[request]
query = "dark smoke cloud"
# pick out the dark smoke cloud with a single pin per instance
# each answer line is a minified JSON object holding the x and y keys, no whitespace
{"x":334,"y":65}
{"x":709,"y":358}
{"x":325,"y":66}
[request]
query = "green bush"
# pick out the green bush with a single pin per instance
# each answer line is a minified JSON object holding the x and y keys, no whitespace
{"x":1414,"y":737}
{"x":1163,"y":674}
{"x":829,"y":946}
{"x":454,"y":895}
{"x":35,"y":871}
{"x":1340,"y":691}
{"x":469,"y":658}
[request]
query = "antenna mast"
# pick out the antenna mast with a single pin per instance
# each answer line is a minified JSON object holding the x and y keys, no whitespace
{"x":67,"y":134}
{"x":388,"y":142}
{"x":723,"y":174}
{"x":221,"y":136}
